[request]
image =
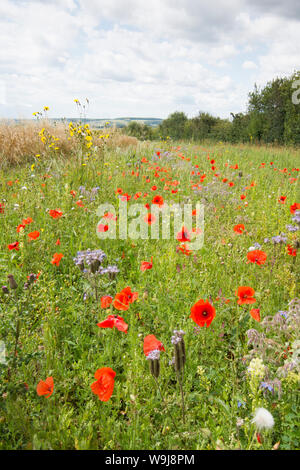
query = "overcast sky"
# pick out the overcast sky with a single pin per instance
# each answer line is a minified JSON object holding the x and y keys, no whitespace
{"x":143,"y":59}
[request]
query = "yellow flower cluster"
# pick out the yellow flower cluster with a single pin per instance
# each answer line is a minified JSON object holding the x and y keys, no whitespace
{"x":49,"y":140}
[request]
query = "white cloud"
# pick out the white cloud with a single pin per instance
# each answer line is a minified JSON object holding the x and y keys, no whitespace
{"x":143,"y":59}
{"x":249,"y":65}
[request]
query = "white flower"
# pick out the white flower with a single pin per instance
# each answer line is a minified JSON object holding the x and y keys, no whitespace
{"x":256,"y":368}
{"x":263,"y":419}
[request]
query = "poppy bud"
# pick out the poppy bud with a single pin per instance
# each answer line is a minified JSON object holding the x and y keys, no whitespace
{"x":12,"y":282}
{"x":32,"y":278}
{"x":179,"y":349}
{"x":153,"y":358}
{"x":155,"y":367}
{"x":145,"y":294}
{"x":5,"y":290}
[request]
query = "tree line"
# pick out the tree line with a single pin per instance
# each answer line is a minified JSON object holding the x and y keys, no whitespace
{"x":272,"y":116}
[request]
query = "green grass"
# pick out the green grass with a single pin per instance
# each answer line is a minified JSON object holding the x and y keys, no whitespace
{"x":59,"y":336}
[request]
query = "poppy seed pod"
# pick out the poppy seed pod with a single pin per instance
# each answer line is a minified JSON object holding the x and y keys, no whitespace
{"x":12,"y":282}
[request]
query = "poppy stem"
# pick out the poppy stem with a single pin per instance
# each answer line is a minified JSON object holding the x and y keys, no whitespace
{"x":179,"y":378}
{"x":164,"y":402}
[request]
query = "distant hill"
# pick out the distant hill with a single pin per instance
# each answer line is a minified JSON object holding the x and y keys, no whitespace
{"x":117,"y":122}
{"x":100,"y":123}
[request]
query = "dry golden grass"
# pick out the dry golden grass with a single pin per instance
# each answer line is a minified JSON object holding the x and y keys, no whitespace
{"x":122,"y":141}
{"x":20,"y":142}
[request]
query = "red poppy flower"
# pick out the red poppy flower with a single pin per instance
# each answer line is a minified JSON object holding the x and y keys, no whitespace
{"x":114,"y":321}
{"x":291,"y":251}
{"x":243,"y":196}
{"x":203,"y":313}
{"x":153,"y":188}
{"x":73,"y":193}
{"x":184,"y":249}
{"x":146,"y":265}
{"x":245,"y":295}
{"x":20,"y":227}
{"x":79,"y":203}
{"x":14,"y":246}
{"x":102,"y":228}
{"x":150,"y":218}
{"x":2,"y":208}
{"x":45,"y":387}
{"x":55,"y":213}
{"x":104,"y":385}
{"x":132,"y":296}
{"x":106,"y":300}
{"x":158,"y":200}
{"x":122,"y":300}
{"x":57,"y":258}
{"x":27,"y":221}
{"x":33,"y":235}
{"x":255,"y":313}
{"x":257,"y":256}
{"x":183,"y":235}
{"x":57,"y":242}
{"x":282,"y":199}
{"x":239,"y":228}
{"x":151,"y":343}
{"x":294,"y":207}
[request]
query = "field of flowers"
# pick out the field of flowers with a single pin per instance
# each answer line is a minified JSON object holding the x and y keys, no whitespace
{"x":148,"y":344}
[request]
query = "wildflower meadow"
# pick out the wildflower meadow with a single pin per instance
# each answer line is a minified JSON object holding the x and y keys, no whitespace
{"x":110,"y":340}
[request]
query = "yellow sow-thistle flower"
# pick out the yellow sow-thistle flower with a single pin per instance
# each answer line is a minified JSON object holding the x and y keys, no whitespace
{"x":76,"y":101}
{"x":46,"y":108}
